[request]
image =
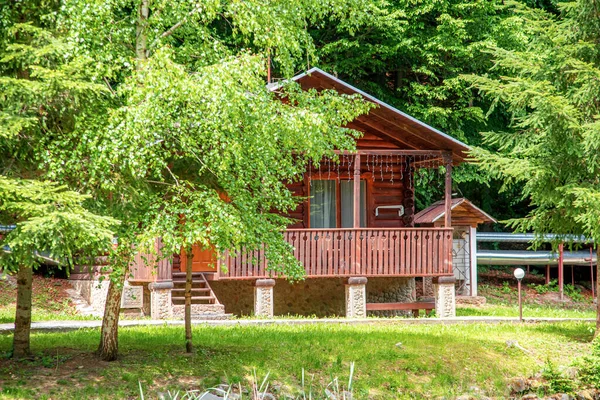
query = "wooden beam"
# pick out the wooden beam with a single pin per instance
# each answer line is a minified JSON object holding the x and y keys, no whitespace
{"x":448,"y":190}
{"x":394,"y":152}
{"x":357,"y":191}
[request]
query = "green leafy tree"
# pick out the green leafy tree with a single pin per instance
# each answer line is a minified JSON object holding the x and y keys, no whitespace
{"x":412,"y":54}
{"x":48,"y":220}
{"x":40,"y":93}
{"x":189,"y":143}
{"x":549,"y":85}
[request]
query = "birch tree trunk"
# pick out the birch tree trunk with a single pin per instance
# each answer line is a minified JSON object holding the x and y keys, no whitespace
{"x":21,"y":336}
{"x":597,"y":288}
{"x":109,"y":337}
{"x":109,"y":347}
{"x":189,"y":347}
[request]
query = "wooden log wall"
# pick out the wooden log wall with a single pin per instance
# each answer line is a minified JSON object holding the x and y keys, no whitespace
{"x":387,"y":187}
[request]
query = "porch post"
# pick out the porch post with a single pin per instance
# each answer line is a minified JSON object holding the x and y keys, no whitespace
{"x":263,"y":297}
{"x":356,"y":191}
{"x":356,"y":297}
{"x":445,"y":296}
{"x":448,"y":189}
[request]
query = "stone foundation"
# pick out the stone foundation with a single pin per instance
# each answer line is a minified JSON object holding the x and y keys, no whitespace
{"x":356,"y":298}
{"x":390,"y":290}
{"x":199,"y":311}
{"x":445,"y":296}
{"x":317,"y":297}
{"x":93,"y":291}
{"x":263,"y":297}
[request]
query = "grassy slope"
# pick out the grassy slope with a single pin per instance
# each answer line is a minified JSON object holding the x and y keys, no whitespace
{"x":434,"y":360}
{"x":499,"y":287}
{"x":50,"y":301}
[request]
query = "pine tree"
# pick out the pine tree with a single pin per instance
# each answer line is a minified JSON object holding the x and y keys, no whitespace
{"x":549,"y":86}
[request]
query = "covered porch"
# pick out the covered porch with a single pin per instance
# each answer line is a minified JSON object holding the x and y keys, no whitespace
{"x":357,"y":220}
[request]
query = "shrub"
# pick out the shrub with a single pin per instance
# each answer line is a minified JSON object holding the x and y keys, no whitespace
{"x":589,"y":366}
{"x":557,"y":381}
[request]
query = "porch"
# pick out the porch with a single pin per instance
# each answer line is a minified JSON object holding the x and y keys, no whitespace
{"x":382,"y":252}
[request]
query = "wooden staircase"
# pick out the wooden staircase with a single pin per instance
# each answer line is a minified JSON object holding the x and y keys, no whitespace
{"x":205,"y":304}
{"x":201,"y":290}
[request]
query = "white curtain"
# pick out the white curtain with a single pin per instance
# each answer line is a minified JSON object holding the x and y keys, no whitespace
{"x":347,"y":204}
{"x":322,"y":204}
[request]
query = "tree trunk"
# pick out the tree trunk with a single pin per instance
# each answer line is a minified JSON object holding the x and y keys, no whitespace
{"x":189,"y":347}
{"x":109,"y":343}
{"x":597,"y":288}
{"x":23,"y":314}
{"x":141,"y":43}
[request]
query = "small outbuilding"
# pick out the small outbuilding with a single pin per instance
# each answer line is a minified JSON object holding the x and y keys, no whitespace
{"x":465,"y":217}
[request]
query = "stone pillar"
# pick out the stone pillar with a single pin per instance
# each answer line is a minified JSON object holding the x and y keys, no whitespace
{"x":445,"y":296}
{"x":263,"y":297}
{"x":161,"y":306}
{"x":356,"y":297}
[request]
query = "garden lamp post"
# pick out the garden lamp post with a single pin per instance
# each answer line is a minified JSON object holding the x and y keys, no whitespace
{"x":519,"y":274}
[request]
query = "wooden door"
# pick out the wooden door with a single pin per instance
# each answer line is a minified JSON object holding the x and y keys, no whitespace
{"x":204,"y":260}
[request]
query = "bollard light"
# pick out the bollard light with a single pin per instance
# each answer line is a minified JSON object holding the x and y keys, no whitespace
{"x":520,"y":274}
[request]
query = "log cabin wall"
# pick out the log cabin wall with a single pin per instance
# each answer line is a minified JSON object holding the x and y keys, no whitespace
{"x":388,"y":182}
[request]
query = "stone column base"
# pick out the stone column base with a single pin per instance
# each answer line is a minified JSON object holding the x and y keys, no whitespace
{"x":445,"y":296}
{"x":356,"y":297}
{"x":263,"y":297}
{"x":161,"y":306}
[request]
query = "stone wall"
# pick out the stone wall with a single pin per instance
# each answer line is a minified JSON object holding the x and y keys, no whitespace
{"x":93,"y":291}
{"x":390,"y":290}
{"x":321,"y":297}
{"x":198,"y":310}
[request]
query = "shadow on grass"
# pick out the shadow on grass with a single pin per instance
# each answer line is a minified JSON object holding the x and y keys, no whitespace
{"x":390,"y":361}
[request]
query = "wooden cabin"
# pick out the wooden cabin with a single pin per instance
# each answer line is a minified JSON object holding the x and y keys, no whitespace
{"x":358,"y":219}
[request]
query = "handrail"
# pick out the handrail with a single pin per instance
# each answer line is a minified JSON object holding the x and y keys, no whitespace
{"x":356,"y":252}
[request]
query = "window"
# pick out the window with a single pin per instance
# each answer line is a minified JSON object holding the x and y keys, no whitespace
{"x":347,"y":204}
{"x":323,"y":205}
{"x":324,"y":196}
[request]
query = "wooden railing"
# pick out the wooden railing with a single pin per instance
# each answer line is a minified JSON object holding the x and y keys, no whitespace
{"x":356,"y":252}
{"x":150,"y":267}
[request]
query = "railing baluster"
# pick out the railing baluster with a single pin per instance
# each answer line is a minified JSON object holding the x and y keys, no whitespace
{"x":349,"y":252}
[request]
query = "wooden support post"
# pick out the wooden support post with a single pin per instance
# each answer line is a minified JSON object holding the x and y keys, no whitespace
{"x":561,"y":271}
{"x":592,"y":271}
{"x":572,"y":275}
{"x":547,"y":274}
{"x":448,"y":190}
{"x":356,"y":211}
{"x":357,"y":191}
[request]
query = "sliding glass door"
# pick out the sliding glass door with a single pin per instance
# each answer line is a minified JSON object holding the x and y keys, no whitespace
{"x":332,"y":204}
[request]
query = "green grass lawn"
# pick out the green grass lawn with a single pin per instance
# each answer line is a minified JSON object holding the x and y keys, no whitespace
{"x":432,"y":360}
{"x":529,"y":310}
{"x":50,"y":301}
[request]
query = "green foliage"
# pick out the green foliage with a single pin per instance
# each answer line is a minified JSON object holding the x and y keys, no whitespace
{"x":49,"y":219}
{"x":589,"y":366}
{"x":412,"y":54}
{"x":548,"y":86}
{"x":557,"y":381}
{"x":506,"y":289}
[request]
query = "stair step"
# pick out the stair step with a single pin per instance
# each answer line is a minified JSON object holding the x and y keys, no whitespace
{"x":181,"y":292}
{"x":195,"y":300}
{"x":195,"y":285}
{"x":183,"y":274}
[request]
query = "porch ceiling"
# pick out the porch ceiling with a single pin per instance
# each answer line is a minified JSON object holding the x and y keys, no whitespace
{"x":386,"y":121}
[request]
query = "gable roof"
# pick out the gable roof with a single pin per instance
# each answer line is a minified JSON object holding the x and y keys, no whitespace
{"x":389,"y":122}
{"x":468,"y":212}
